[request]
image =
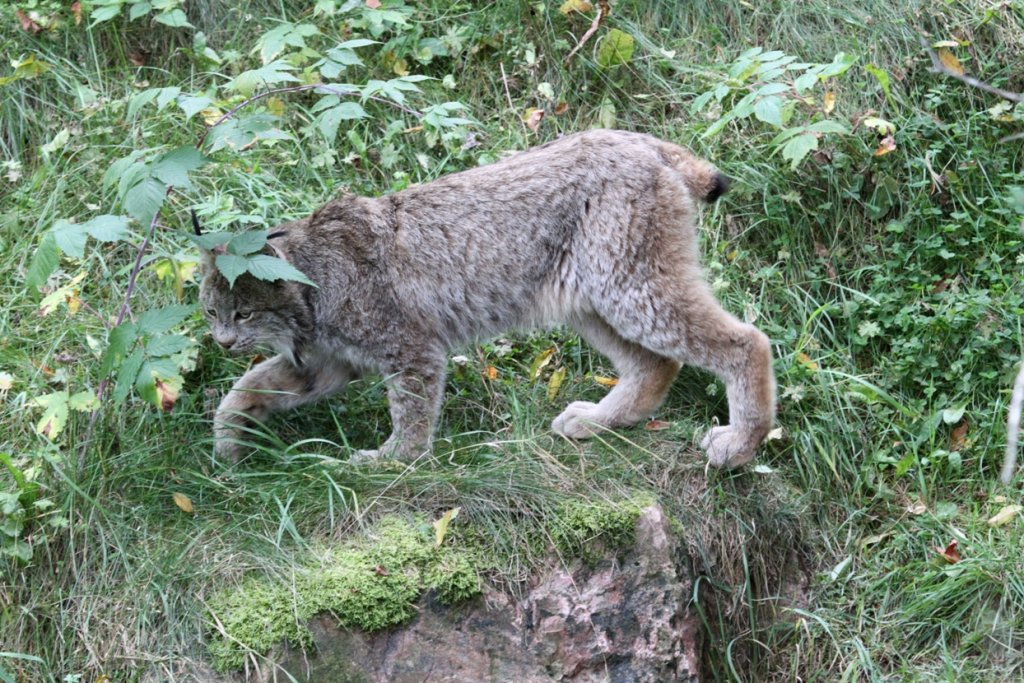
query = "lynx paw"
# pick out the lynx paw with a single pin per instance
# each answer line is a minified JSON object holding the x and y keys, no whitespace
{"x":226,"y":446}
{"x":580,"y":420}
{"x":391,"y":450}
{"x":728,"y":447}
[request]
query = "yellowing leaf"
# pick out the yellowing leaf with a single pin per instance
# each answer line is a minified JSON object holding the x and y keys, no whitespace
{"x":211,"y":115}
{"x":950,"y":61}
{"x":806,"y":361}
{"x":6,"y":382}
{"x":606,"y":381}
{"x":275,"y":105}
{"x":166,"y":392}
{"x":946,"y":43}
{"x":540,"y":362}
{"x":1005,"y":515}
{"x":491,"y":373}
{"x":532,"y":118}
{"x":881,"y":125}
{"x":555,"y":383}
{"x":401,"y":67}
{"x":829,"y":102}
{"x":441,"y":526}
{"x":68,"y":294}
{"x":888,"y":144}
{"x":575,"y":6}
{"x":183,"y":502}
{"x":775,"y":434}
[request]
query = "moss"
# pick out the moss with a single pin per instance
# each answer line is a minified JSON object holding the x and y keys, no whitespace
{"x":369,"y":584}
{"x":585,"y":529}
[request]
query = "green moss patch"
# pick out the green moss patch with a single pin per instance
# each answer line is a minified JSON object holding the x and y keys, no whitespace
{"x":586,"y":529}
{"x":369,"y":584}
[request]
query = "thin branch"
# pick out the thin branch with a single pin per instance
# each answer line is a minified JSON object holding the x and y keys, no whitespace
{"x":1013,"y":428}
{"x":939,"y":67}
{"x":601,"y":11}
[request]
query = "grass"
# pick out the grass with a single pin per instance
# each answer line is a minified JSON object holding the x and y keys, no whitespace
{"x":890,"y":286}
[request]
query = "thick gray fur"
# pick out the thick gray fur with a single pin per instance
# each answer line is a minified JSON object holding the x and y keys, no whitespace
{"x":595,"y":230}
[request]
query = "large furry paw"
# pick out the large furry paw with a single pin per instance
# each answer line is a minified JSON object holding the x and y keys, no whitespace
{"x":580,"y":420}
{"x":391,"y":450}
{"x":729,"y":446}
{"x":226,"y":446}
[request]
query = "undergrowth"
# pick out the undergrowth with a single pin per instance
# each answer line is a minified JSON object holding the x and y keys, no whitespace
{"x":873,"y":231}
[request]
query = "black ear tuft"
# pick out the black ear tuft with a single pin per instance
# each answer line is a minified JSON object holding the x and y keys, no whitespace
{"x":719,"y":188}
{"x":195,"y":223}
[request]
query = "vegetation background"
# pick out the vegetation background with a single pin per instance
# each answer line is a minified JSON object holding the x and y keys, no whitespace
{"x":873,"y":231}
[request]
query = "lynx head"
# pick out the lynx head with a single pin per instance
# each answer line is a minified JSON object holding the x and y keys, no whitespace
{"x":254,"y":313}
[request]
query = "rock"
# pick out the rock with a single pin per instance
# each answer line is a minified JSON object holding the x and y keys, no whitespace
{"x":625,"y":618}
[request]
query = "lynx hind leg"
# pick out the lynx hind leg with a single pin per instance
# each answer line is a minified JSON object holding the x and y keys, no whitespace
{"x":644,"y":379}
{"x":692,"y":328}
{"x":271,"y":386}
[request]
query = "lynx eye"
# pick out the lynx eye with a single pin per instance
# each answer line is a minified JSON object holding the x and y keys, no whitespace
{"x":242,"y":316}
{"x":210,"y":313}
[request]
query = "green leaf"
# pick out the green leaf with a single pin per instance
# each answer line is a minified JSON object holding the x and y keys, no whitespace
{"x":192,"y":104}
{"x":174,"y":18}
{"x":719,"y":125}
{"x":144,"y":199}
{"x":101,"y":14}
{"x":332,"y":118}
{"x":211,"y":240}
{"x":44,"y":262}
{"x":126,"y":375}
{"x":107,"y":228}
{"x":55,"y":416}
{"x":805,"y":82}
{"x":247,"y":242}
{"x":70,"y":238}
{"x":231,"y":266}
{"x":769,"y":110}
{"x":616,"y":48}
{"x":167,"y":345}
{"x":119,"y":341}
{"x":272,"y":268}
{"x":828,"y":127}
{"x":174,"y":166}
{"x":881,"y":76}
{"x":271,"y":74}
{"x":139,"y":9}
{"x":141,"y":100}
{"x":159,"y":320}
{"x":83,"y":401}
{"x":799,"y":147}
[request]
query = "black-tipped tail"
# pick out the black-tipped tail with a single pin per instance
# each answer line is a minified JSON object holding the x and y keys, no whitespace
{"x":720,"y":187}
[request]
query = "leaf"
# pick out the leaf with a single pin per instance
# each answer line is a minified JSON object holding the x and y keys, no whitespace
{"x":951,"y":416}
{"x":806,"y":361}
{"x":83,"y":401}
{"x":167,"y":391}
{"x":107,"y":228}
{"x":247,"y":242}
{"x":192,"y":104}
{"x":70,"y":238}
{"x":126,"y":376}
{"x":799,"y":147}
{"x":211,"y":240}
{"x":540,"y":362}
{"x":276,"y":72}
{"x":6,"y":382}
{"x":881,"y":125}
{"x":581,"y":6}
{"x":441,"y":526}
{"x":55,"y":416}
{"x":144,"y":199}
{"x":330,"y":119}
{"x":491,"y":372}
{"x":231,"y":266}
{"x":840,"y":568}
{"x":532,"y":118}
{"x":183,"y":502}
{"x":119,"y":341}
{"x":887,"y":144}
{"x":266,"y":267}
{"x":141,"y":100}
{"x":950,"y":553}
{"x":159,"y":320}
{"x":606,"y":381}
{"x":657,"y":426}
{"x":829,"y":101}
{"x":958,"y":437}
{"x":881,"y":76}
{"x":173,"y":167}
{"x":44,"y":262}
{"x":950,"y":62}
{"x":175,"y":18}
{"x":555,"y":383}
{"x":616,"y":48}
{"x":762,"y":469}
{"x":769,"y":110}
{"x":1005,"y":516}
{"x":167,"y":345}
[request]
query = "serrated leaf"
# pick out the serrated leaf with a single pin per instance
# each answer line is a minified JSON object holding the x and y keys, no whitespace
{"x":144,"y":199}
{"x":139,"y":9}
{"x":192,"y":105}
{"x":70,"y":238}
{"x":769,"y":110}
{"x":159,"y":320}
{"x":173,"y":167}
{"x":332,"y":118}
{"x":126,"y":375}
{"x":266,"y":267}
{"x":167,"y":345}
{"x":441,"y":526}
{"x":83,"y":401}
{"x":119,"y":341}
{"x":247,"y":242}
{"x":231,"y":266}
{"x":616,"y":48}
{"x":175,"y":18}
{"x":183,"y":502}
{"x":211,"y":240}
{"x":271,"y":74}
{"x":107,"y":228}
{"x":799,"y":147}
{"x":166,"y":96}
{"x":44,"y":262}
{"x":141,"y":100}
{"x":55,"y":415}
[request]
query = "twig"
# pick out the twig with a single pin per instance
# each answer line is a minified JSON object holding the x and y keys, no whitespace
{"x":939,"y":67}
{"x":601,"y":10}
{"x":1013,"y":427}
{"x":1011,"y":138}
{"x":508,"y":95}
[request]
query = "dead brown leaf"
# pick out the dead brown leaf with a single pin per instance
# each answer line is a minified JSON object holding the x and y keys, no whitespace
{"x":28,"y":23}
{"x":950,"y":553}
{"x":958,"y":437}
{"x":888,"y":144}
{"x":76,"y":10}
{"x":532,"y":117}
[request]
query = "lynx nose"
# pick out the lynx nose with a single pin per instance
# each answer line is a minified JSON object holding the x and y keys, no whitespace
{"x":225,"y":340}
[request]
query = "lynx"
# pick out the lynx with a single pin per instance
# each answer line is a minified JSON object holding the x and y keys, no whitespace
{"x":595,"y":230}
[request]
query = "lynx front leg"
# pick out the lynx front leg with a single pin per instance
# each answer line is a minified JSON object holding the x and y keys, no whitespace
{"x":414,"y":397}
{"x":271,"y":386}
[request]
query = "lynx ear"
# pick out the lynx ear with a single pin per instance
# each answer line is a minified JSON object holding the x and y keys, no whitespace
{"x":274,"y":248}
